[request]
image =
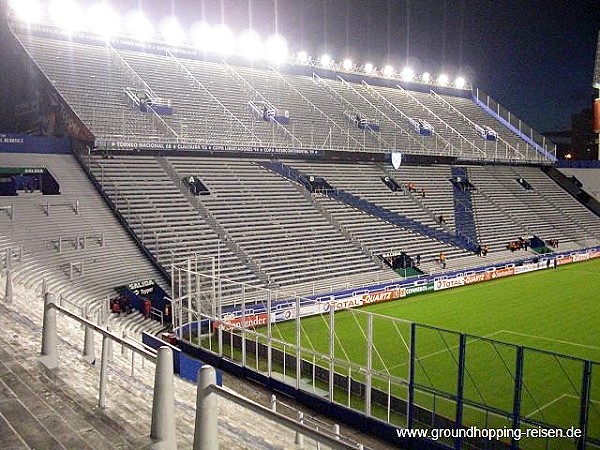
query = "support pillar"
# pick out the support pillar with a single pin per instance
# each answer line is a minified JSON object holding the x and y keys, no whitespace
{"x":8,"y":293}
{"x":299,"y":438}
{"x":49,"y":356}
{"x":89,"y":350}
{"x":103,"y":368}
{"x":206,"y":435}
{"x":162,"y":428}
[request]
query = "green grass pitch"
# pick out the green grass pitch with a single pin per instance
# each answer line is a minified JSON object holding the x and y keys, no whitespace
{"x":551,"y":310}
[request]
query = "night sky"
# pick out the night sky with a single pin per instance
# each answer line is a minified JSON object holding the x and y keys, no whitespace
{"x":534,"y":57}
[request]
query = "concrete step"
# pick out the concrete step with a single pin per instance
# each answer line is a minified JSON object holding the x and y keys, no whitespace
{"x":40,"y":412}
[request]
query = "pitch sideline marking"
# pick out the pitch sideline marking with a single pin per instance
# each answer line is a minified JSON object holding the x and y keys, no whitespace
{"x":577,"y":398}
{"x":560,"y":341}
{"x":559,"y":398}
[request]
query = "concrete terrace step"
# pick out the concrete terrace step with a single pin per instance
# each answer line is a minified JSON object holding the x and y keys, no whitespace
{"x":39,"y":412}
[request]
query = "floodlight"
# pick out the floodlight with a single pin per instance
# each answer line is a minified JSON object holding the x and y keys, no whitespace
{"x":407,"y":74}
{"x":388,"y":71}
{"x":66,"y":14}
{"x":426,"y":77}
{"x":171,"y":31}
{"x":222,"y":40}
{"x":326,"y":60}
{"x":202,"y":36}
{"x":443,"y":80}
{"x":139,"y":26}
{"x":369,"y":68}
{"x":460,"y":82}
{"x":276,"y":49}
{"x":250,"y":45}
{"x":347,"y":64}
{"x":102,"y":20}
{"x":302,"y":57}
{"x":29,"y":11}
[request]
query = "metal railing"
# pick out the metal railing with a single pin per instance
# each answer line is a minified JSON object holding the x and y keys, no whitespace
{"x":517,"y":123}
{"x":344,"y":132}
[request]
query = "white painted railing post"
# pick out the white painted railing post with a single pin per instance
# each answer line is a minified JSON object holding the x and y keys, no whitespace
{"x":89,"y":350}
{"x":8,"y":293}
{"x":206,"y":435}
{"x":299,"y":437}
{"x":103,"y":368}
{"x":49,"y":356}
{"x":162,"y":428}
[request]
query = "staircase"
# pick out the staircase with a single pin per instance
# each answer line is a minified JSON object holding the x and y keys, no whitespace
{"x":375,"y":210}
{"x":464,"y":218}
{"x":206,"y":215}
{"x":38,"y":410}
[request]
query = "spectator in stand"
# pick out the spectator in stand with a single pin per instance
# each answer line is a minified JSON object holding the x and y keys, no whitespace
{"x":125,"y":304}
{"x":423,"y":192}
{"x":484,"y":251}
{"x":442,"y":219}
{"x":479,"y":250}
{"x":115,"y":306}
{"x":443,"y":260}
{"x":167,"y":313}
{"x":411,"y":187}
{"x":147,"y":308}
{"x":418,"y":259}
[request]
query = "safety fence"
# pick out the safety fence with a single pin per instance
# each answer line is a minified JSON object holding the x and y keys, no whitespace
{"x":402,"y":374}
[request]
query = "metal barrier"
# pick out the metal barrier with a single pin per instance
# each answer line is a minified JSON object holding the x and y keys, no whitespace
{"x":206,"y":432}
{"x":435,"y":378}
{"x":162,"y":427}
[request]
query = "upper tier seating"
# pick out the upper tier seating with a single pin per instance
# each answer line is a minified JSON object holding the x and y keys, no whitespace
{"x":210,"y":105}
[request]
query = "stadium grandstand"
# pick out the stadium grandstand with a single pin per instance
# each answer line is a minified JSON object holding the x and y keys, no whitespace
{"x":140,"y":172}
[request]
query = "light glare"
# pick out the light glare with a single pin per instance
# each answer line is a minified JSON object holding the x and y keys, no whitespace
{"x":348,"y":64}
{"x":443,"y":79}
{"x":223,"y":41}
{"x":388,"y":71}
{"x":460,"y":82}
{"x":426,"y":77}
{"x":28,"y":11}
{"x":369,"y":68}
{"x":276,"y":49}
{"x":302,"y":57}
{"x":66,"y":14}
{"x":172,"y":32}
{"x":102,"y":20}
{"x":407,"y":74}
{"x":201,"y":36}
{"x":139,"y":26}
{"x":326,"y":60}
{"x":250,"y":45}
